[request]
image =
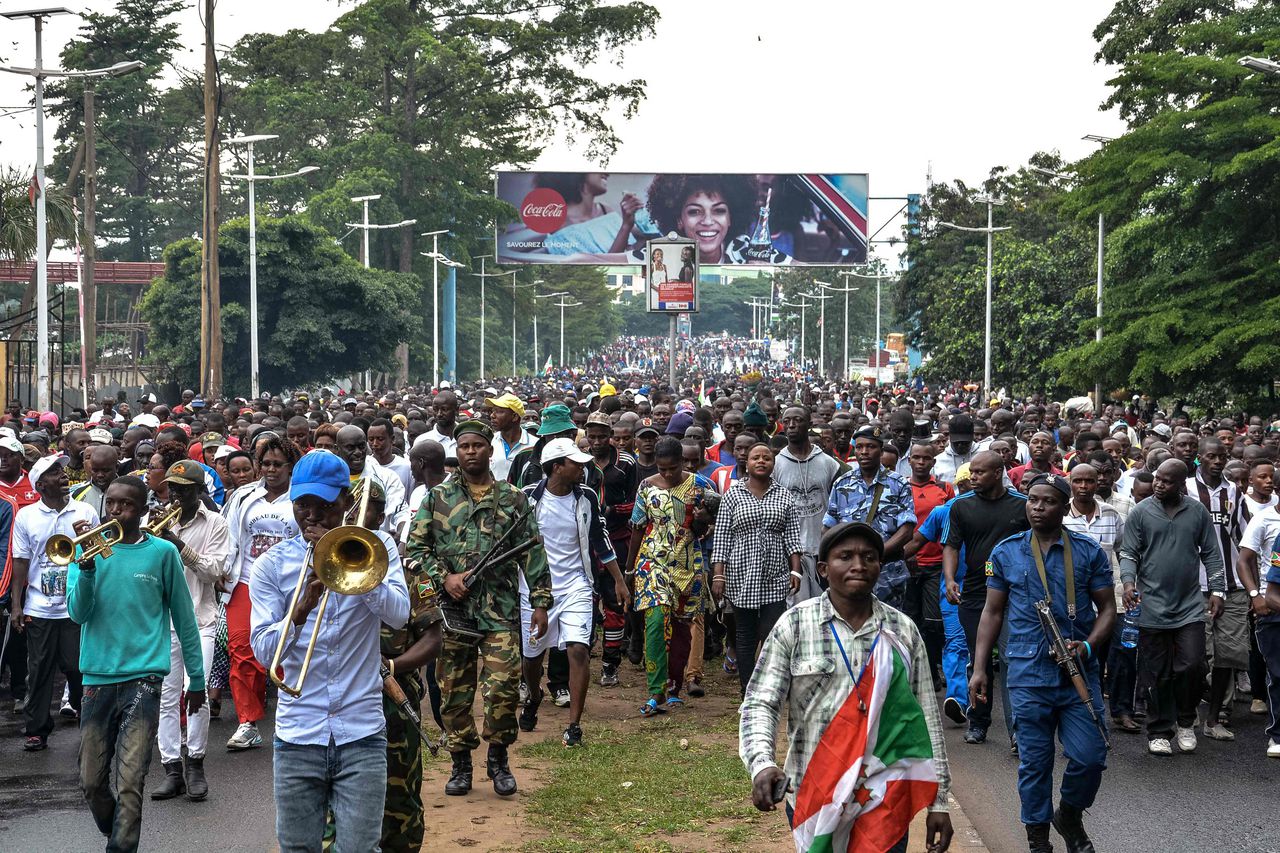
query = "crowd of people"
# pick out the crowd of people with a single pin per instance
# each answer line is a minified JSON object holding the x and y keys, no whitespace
{"x":772,"y":525}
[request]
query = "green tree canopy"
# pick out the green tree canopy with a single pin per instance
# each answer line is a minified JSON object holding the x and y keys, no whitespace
{"x":321,"y":314}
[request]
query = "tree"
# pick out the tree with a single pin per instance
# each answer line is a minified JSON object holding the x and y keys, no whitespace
{"x":1040,"y":302}
{"x":321,"y":314}
{"x":1192,"y":196}
{"x":18,"y":215}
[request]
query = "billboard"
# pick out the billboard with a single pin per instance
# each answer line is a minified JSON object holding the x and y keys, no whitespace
{"x":671,"y":275}
{"x":760,"y":219}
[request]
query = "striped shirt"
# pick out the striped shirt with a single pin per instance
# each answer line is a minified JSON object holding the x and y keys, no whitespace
{"x":1106,"y":527}
{"x":800,"y":668}
{"x":1221,"y":504}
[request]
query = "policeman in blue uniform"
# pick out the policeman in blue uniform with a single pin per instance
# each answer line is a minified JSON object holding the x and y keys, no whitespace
{"x":1044,"y":702}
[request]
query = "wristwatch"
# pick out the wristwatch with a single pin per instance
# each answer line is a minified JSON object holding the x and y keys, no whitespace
{"x":1254,"y":593}
{"x":1219,"y":593}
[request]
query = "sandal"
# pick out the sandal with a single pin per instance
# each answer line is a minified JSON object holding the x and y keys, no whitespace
{"x":35,"y":743}
{"x":674,"y":702}
{"x":652,"y":709}
{"x":730,"y":665}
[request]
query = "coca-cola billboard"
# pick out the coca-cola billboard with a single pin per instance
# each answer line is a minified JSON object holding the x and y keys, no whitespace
{"x":753,"y":219}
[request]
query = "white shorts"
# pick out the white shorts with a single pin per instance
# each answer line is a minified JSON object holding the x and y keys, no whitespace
{"x":568,"y":621}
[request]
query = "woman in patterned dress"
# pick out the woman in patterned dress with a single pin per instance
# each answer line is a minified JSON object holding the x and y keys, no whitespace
{"x":671,"y":514}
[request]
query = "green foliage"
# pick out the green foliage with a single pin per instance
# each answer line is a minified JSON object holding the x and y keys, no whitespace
{"x":320,"y":313}
{"x":794,"y":281}
{"x":1191,"y":194}
{"x":18,"y":215}
{"x":722,"y":309}
{"x":1040,"y":282}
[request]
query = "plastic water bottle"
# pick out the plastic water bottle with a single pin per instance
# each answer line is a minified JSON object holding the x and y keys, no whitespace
{"x":1129,"y":628}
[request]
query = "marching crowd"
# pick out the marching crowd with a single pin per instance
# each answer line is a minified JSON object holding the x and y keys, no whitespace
{"x":161,"y":556}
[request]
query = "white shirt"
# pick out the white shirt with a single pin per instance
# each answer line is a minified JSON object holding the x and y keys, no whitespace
{"x":500,"y":462}
{"x":264,"y":525}
{"x":397,"y":515}
{"x":46,"y":596}
{"x":558,"y":526}
{"x":1220,"y":503}
{"x":1259,"y":537}
{"x":948,"y":462}
{"x":205,"y":561}
{"x":400,"y":466}
{"x":448,"y":442}
{"x":1023,"y":452}
{"x":1106,"y":527}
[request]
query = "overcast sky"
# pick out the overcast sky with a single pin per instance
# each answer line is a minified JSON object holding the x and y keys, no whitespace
{"x":754,"y":86}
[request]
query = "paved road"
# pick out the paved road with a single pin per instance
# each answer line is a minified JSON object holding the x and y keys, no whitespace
{"x":1221,"y":798}
{"x":41,"y":808}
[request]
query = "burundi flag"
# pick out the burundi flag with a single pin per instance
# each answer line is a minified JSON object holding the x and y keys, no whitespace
{"x":546,"y":368}
{"x":873,"y":770}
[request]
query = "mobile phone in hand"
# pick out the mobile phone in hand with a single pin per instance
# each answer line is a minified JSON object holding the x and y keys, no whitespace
{"x":780,"y":788}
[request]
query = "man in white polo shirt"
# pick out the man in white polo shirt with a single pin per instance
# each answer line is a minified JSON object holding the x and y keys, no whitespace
{"x":574,"y":536}
{"x":509,"y":439}
{"x":40,"y":594}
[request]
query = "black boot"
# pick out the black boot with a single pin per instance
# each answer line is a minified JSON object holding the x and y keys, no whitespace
{"x":460,"y":779}
{"x":197,"y":787}
{"x":504,"y":784}
{"x":1038,"y":838}
{"x":172,"y":785}
{"x":1069,"y":821}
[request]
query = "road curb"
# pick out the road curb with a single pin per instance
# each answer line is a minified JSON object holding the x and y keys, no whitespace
{"x":966,"y":838}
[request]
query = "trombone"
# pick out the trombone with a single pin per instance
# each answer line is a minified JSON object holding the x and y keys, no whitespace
{"x":163,"y":518}
{"x":348,"y":560}
{"x":61,"y":549}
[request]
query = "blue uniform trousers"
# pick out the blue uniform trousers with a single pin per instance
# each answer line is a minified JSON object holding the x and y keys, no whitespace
{"x":955,"y":654}
{"x":1039,"y":713}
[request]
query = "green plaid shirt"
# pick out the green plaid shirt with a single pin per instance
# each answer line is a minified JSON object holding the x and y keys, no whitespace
{"x":800,"y":667}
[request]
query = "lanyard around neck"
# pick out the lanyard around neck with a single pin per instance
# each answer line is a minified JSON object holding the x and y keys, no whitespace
{"x":1070,"y":572}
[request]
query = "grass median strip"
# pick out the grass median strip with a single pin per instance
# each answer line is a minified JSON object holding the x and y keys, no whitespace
{"x":637,"y":789}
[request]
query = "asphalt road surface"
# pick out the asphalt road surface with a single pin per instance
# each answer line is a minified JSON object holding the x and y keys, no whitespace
{"x":41,"y":808}
{"x":1221,"y":798}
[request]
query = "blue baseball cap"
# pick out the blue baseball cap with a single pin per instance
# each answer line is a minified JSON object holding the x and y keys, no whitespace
{"x":319,"y":473}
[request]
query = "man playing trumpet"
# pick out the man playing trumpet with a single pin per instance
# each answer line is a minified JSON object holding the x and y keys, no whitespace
{"x":330,"y":747}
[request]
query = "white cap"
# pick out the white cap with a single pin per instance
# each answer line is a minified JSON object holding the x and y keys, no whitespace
{"x":99,"y":436}
{"x":8,"y":442}
{"x":564,"y":448}
{"x":146,"y":420}
{"x":223,"y":452}
{"x":44,"y":463}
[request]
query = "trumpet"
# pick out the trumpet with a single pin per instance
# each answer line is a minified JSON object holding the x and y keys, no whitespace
{"x":162,"y":518}
{"x":348,"y":560}
{"x":61,"y":549}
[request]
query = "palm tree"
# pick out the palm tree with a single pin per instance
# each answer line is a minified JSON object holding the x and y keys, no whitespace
{"x":18,"y":215}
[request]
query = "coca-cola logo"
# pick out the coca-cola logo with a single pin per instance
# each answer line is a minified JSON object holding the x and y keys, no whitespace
{"x":543,"y":210}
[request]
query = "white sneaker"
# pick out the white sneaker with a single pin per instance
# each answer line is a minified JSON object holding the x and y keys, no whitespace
{"x":523,"y":695}
{"x":1273,"y":749}
{"x":1243,"y":684}
{"x":1257,"y":706}
{"x":1159,"y":746}
{"x":67,"y":711}
{"x":561,"y":698}
{"x":1215,"y":732}
{"x":1186,"y":739}
{"x":246,"y":737}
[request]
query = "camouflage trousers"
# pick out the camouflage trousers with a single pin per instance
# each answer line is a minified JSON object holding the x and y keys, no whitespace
{"x":402,"y":824}
{"x":497,"y":655}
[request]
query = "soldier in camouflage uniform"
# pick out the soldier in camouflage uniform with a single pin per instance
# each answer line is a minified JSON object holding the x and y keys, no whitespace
{"x":456,"y":524}
{"x":406,"y":650}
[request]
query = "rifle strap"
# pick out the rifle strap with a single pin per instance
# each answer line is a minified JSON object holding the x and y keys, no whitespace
{"x":1070,"y":573}
{"x":875,"y":504}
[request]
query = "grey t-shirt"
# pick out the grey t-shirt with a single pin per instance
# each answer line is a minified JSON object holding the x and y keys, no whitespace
{"x":809,"y":480}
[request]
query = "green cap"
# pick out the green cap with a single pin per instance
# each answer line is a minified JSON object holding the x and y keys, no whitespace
{"x":555,"y":420}
{"x":479,"y":428}
{"x":754,"y":416}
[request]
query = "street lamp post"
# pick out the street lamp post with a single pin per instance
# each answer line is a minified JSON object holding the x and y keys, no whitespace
{"x":879,"y":277}
{"x":846,"y":290}
{"x":39,"y":72}
{"x":563,"y":305}
{"x":252,"y":177}
{"x":802,"y":306}
{"x":822,"y":328}
{"x":482,"y":275}
{"x":536,"y":297}
{"x":436,"y":259}
{"x":989,"y":231}
{"x":514,"y":288}
{"x":365,"y":227}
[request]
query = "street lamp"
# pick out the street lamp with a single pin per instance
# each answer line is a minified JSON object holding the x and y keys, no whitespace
{"x":878,"y":277}
{"x":436,"y":259}
{"x":482,"y":275}
{"x":514,"y":288}
{"x":39,"y":72}
{"x":365,"y":227}
{"x":822,"y":327}
{"x":252,"y":177}
{"x":846,"y":290}
{"x":989,"y":230}
{"x":757,"y":304}
{"x":536,"y":297}
{"x":802,"y":306}
{"x":563,"y":305}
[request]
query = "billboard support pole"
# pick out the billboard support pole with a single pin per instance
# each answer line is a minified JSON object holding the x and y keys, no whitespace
{"x":671,"y":356}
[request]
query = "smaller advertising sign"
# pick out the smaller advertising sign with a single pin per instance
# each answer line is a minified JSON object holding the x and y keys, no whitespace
{"x":671,"y":275}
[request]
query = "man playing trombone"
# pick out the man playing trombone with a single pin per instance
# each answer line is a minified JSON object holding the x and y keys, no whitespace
{"x":459,"y":521}
{"x":203,"y":543}
{"x":330,"y":747}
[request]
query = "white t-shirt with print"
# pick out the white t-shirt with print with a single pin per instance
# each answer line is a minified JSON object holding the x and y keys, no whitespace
{"x":266,"y":524}
{"x":46,"y":595}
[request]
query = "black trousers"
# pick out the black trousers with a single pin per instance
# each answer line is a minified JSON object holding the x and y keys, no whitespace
{"x":970,"y":615}
{"x":52,"y":644}
{"x":1171,"y":670}
{"x":15,"y":658}
{"x":753,"y":626}
{"x":922,"y":603}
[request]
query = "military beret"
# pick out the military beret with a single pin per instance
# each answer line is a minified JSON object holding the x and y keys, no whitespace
{"x":475,"y":427}
{"x":1057,"y":481}
{"x":870,"y":432}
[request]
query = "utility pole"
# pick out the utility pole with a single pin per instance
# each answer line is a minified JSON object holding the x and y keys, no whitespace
{"x":88,"y":292}
{"x":210,"y":289}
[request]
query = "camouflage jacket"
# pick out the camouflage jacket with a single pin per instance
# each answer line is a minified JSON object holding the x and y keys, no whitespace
{"x":423,"y":613}
{"x":450,"y":532}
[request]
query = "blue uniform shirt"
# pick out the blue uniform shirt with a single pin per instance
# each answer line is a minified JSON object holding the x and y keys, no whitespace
{"x":1012,"y":570}
{"x":850,"y":500}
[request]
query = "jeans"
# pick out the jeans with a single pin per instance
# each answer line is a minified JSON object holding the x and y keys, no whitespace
{"x":1122,"y":673}
{"x":1268,"y":634}
{"x":980,"y":715}
{"x":753,"y":626}
{"x":117,"y":725}
{"x":170,"y":733}
{"x":52,"y":645}
{"x":350,"y":779}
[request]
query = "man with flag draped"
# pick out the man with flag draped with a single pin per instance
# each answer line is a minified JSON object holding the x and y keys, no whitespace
{"x":865,"y":747}
{"x":1071,"y":573}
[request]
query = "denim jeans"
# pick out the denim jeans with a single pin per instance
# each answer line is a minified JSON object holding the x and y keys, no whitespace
{"x":117,"y":725}
{"x":350,"y":779}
